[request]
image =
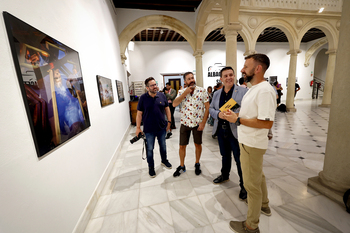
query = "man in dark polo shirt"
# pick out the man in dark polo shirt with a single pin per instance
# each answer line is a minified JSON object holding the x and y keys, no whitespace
{"x":151,"y":109}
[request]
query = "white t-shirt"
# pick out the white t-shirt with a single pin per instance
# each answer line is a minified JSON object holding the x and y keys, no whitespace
{"x":258,"y":103}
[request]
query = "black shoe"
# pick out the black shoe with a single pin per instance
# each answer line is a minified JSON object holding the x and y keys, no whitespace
{"x":168,"y":135}
{"x":166,"y":164}
{"x":242,"y":194}
{"x":179,"y":170}
{"x":197,"y":169}
{"x":220,"y":179}
{"x":151,"y":172}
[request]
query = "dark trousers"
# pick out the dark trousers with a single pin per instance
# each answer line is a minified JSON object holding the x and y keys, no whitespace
{"x":228,"y":144}
{"x":172,"y":110}
{"x":150,"y":138}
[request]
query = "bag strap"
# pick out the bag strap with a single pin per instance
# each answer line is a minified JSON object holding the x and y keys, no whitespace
{"x":347,"y":201}
{"x":143,"y":148}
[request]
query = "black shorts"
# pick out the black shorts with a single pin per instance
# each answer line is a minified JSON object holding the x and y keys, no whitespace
{"x":185,"y":133}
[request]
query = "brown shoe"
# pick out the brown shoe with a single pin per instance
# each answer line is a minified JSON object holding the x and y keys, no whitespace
{"x":264,"y":210}
{"x":241,"y":227}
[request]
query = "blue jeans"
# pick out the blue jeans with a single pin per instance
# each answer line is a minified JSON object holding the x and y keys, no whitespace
{"x":150,"y":138}
{"x":228,"y":144}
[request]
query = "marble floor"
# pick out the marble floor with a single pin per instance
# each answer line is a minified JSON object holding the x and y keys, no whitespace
{"x":133,"y":202}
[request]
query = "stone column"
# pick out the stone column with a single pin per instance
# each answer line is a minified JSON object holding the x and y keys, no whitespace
{"x":334,"y":180}
{"x":199,"y":67}
{"x":291,"y":79}
{"x":328,"y":87}
{"x":231,"y":32}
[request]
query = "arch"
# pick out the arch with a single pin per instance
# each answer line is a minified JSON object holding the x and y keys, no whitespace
{"x":219,"y":22}
{"x":202,"y":16}
{"x":330,"y":31}
{"x":313,"y":49}
{"x":155,"y":21}
{"x":231,"y":11}
{"x":284,"y":26}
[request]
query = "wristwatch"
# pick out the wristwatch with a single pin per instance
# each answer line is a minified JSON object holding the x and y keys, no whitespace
{"x":238,"y":121}
{"x":169,"y":122}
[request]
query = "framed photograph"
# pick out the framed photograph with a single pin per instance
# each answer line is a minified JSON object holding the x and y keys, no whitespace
{"x":105,"y":90}
{"x":120,"y":91}
{"x":51,"y":83}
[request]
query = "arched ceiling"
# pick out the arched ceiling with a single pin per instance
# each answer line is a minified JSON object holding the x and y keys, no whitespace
{"x":271,"y":34}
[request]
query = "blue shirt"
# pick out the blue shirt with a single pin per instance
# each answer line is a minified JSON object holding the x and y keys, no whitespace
{"x":153,"y":112}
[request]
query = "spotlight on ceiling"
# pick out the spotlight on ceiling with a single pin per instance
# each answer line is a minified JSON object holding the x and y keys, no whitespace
{"x":262,"y":33}
{"x":320,"y":10}
{"x":161,"y":32}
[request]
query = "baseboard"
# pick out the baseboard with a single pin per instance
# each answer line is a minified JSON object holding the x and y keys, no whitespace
{"x":89,"y":209}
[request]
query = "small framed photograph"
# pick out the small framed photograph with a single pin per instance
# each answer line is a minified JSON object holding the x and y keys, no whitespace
{"x":105,"y":90}
{"x":120,"y":91}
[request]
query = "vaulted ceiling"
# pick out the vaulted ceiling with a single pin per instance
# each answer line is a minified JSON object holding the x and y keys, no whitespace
{"x":270,"y":34}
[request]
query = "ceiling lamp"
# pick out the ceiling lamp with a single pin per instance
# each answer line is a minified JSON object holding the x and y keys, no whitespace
{"x":320,"y":10}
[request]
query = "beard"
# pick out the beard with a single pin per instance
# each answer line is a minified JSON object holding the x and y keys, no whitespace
{"x":191,"y":83}
{"x":154,"y":91}
{"x":249,"y":78}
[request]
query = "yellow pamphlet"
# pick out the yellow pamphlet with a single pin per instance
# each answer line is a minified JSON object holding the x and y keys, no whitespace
{"x":229,"y":105}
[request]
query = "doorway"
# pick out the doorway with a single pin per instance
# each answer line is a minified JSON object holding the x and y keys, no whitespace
{"x":175,"y":80}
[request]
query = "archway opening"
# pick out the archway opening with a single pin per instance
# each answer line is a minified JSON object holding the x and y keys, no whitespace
{"x":216,"y":35}
{"x":158,"y":34}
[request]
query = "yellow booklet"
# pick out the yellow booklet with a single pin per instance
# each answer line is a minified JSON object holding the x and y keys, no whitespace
{"x":231,"y":104}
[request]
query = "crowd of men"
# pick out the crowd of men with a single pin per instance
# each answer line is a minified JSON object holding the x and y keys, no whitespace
{"x":242,"y":119}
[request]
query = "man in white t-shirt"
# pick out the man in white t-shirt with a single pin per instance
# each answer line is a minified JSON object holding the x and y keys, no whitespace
{"x":254,"y":121}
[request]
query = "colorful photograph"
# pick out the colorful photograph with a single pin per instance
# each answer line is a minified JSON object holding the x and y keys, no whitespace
{"x":120,"y":91}
{"x":51,"y":82}
{"x":105,"y":89}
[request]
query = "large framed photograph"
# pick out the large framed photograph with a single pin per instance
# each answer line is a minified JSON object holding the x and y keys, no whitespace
{"x":120,"y":91}
{"x":51,"y":83}
{"x":105,"y":89}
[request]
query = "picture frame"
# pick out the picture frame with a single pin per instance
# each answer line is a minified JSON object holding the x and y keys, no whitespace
{"x":105,"y":90}
{"x":120,"y":91}
{"x":51,"y":83}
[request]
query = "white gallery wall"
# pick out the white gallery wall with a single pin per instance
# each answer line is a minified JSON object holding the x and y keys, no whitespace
{"x":321,"y":62}
{"x":152,"y":59}
{"x":156,"y":58}
{"x":49,"y":195}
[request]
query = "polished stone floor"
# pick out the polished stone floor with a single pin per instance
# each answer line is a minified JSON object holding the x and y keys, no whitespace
{"x":133,"y":202}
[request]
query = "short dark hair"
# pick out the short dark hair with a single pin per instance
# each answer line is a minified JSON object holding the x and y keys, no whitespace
{"x":241,"y":81}
{"x":275,"y":83}
{"x":167,"y":84}
{"x":187,"y":73}
{"x":226,"y":68}
{"x":260,"y":58}
{"x":219,"y":84}
{"x":147,"y":80}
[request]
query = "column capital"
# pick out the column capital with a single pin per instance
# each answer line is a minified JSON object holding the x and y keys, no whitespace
{"x":231,"y":29}
{"x":332,"y":52}
{"x":294,"y":52}
{"x":198,"y":53}
{"x":123,"y":57}
{"x":249,"y":52}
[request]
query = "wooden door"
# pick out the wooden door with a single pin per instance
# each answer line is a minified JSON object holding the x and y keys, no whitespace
{"x":175,"y":84}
